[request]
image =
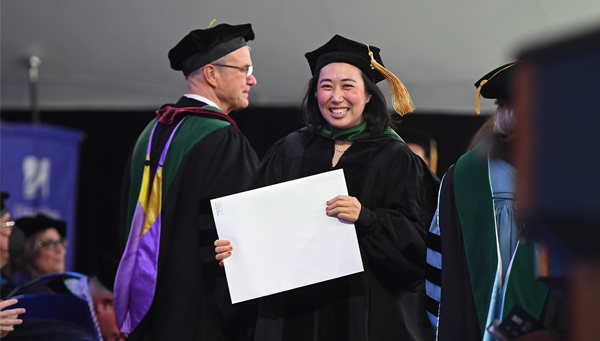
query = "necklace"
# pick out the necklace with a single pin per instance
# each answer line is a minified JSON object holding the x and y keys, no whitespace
{"x":339,"y":151}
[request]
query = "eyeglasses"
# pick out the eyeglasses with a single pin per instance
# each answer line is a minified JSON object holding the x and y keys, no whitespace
{"x":53,"y":244}
{"x":8,"y":224}
{"x":248,"y":69}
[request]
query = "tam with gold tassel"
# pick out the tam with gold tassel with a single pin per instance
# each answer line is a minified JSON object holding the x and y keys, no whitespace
{"x":400,"y":97}
{"x":495,"y":84}
{"x":368,"y":60}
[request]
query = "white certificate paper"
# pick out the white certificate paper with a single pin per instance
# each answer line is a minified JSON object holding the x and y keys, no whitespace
{"x":283,"y":239}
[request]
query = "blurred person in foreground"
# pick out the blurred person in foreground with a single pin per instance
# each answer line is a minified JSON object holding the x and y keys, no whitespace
{"x":168,"y":286}
{"x":478,"y":269}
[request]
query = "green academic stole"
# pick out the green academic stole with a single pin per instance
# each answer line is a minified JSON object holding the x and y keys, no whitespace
{"x":358,"y":132}
{"x":136,"y":278}
{"x":192,"y":130}
{"x":475,"y":207}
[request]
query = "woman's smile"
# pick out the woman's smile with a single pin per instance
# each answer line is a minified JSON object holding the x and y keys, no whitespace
{"x":341,"y":95}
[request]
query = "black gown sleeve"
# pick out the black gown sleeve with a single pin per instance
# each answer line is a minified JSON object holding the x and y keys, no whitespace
{"x":234,"y":154}
{"x":392,"y":233}
{"x":271,"y":170}
{"x":220,"y":164}
{"x":124,"y":204}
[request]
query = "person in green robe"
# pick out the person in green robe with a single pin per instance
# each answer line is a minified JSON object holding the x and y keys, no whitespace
{"x":168,"y":286}
{"x":477,"y":268}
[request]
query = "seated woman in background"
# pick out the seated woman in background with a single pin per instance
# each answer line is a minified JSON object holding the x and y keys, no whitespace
{"x":45,"y":246}
{"x":392,"y":197}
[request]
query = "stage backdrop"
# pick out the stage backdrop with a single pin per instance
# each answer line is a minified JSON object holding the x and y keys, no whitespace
{"x":39,"y":168}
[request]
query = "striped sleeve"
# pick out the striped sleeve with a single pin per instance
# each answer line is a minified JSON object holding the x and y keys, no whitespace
{"x":433,"y":269}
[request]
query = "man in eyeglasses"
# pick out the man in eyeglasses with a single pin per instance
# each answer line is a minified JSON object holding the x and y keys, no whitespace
{"x":169,"y":286}
{"x":12,"y":245}
{"x":8,"y":316}
{"x":5,"y":232}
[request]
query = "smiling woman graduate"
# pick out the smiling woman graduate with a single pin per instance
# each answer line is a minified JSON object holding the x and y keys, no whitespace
{"x":392,"y":197}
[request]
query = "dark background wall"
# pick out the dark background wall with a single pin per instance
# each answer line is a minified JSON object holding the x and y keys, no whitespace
{"x":110,"y":136}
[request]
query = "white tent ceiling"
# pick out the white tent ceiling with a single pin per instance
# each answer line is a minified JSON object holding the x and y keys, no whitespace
{"x":112,"y":54}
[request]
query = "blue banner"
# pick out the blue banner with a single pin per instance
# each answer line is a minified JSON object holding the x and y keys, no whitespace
{"x":39,"y":169}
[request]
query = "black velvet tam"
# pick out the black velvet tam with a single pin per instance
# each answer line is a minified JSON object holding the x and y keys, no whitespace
{"x":498,"y":82}
{"x":201,"y":47}
{"x":343,"y":50}
{"x":40,"y":222}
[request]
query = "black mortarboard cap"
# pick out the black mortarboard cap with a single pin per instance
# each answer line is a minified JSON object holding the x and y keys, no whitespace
{"x":201,"y":47}
{"x":365,"y":57}
{"x":32,"y":225}
{"x":343,"y":50}
{"x":425,"y":140}
{"x":4,"y":196}
{"x":495,"y":84}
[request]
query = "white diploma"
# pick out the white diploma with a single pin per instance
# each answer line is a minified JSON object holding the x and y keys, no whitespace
{"x":283,"y":239}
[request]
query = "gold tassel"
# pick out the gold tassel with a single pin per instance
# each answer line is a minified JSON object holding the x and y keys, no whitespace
{"x":478,"y":102}
{"x":211,"y":23}
{"x":433,"y":156}
{"x":400,"y":97}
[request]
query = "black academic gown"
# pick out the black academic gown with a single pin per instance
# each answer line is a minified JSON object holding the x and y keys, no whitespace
{"x":398,"y":197}
{"x":192,"y":300}
{"x":458,"y":318}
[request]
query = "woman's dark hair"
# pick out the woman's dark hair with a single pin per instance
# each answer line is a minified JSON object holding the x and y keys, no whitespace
{"x":375,"y":113}
{"x":24,"y":262}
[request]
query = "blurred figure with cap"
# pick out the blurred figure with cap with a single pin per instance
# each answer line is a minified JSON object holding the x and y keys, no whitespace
{"x":168,"y":286}
{"x":9,"y":317}
{"x":390,"y":203}
{"x":421,"y":143}
{"x":478,"y":269}
{"x":45,"y":246}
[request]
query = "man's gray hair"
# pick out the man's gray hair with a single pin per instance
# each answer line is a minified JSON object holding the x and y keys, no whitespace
{"x":505,"y":120}
{"x":195,"y":73}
